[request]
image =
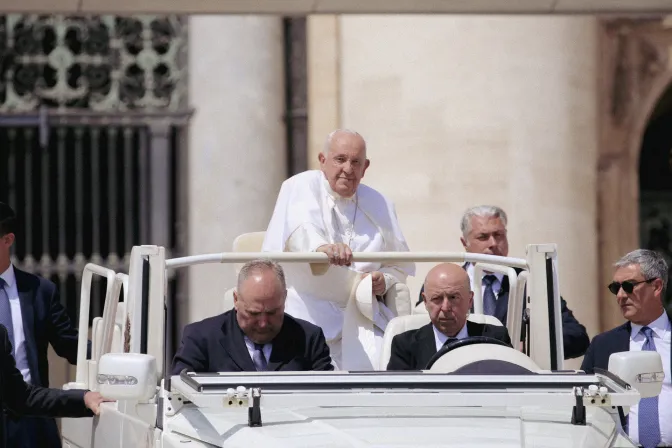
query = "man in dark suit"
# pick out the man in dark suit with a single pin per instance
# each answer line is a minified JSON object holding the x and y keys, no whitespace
{"x":25,"y":399}
{"x":484,"y":232}
{"x":256,"y":335}
{"x":31,"y":310}
{"x":639,"y":283}
{"x":448,"y":298}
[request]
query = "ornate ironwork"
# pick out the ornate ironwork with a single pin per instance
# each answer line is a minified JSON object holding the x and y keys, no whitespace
{"x":100,"y":63}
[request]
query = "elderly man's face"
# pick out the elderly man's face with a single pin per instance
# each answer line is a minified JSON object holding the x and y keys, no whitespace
{"x":643,"y":305}
{"x":448,"y":299}
{"x":345,"y":163}
{"x":260,"y":306}
{"x":487,"y":236}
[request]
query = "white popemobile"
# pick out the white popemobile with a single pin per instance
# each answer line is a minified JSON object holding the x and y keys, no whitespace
{"x":540,"y":406}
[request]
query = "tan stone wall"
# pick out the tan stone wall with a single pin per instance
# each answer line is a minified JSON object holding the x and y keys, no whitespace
{"x":237,"y":154}
{"x":459,"y":111}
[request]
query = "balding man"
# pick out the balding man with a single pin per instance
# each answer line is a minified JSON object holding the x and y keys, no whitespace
{"x":256,"y":335}
{"x":330,"y":211}
{"x":448,"y":298}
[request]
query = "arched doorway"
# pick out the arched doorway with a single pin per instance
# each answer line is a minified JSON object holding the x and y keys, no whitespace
{"x":655,"y":183}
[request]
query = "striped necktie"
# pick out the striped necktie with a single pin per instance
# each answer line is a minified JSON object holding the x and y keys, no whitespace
{"x":259,"y":358}
{"x":648,"y":422}
{"x":489,"y":299}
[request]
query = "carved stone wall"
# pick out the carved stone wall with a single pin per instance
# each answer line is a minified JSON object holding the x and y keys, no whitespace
{"x":635,"y":71}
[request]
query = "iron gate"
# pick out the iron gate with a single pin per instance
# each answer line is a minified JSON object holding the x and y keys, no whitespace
{"x":92,"y":132}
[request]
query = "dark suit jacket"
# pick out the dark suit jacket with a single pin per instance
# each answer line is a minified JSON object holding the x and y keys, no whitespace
{"x":45,"y":321}
{"x":25,"y":399}
{"x":575,"y":338}
{"x":413,"y":349}
{"x":605,"y":344}
{"x":217,"y":344}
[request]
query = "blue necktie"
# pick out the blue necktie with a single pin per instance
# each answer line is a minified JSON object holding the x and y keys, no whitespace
{"x":489,"y":299}
{"x":649,"y":425}
{"x":449,"y":341}
{"x":6,"y":313}
{"x":258,"y":357}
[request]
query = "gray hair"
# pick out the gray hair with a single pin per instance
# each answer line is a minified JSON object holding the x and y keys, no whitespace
{"x":482,"y":211}
{"x":651,"y":263}
{"x":261,"y":264}
{"x":332,"y":134}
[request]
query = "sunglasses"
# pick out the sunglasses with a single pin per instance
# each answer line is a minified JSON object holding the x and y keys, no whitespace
{"x":628,"y":286}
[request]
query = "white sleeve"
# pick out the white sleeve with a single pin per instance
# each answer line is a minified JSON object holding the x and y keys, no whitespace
{"x":306,"y":238}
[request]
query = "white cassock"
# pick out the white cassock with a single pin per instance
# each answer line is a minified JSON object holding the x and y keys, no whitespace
{"x":309,"y":214}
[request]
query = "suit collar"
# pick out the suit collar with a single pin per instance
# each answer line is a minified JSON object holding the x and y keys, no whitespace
{"x":27,"y":289}
{"x":9,"y":276}
{"x":426,"y":345}
{"x":233,"y":341}
{"x":281,"y":355}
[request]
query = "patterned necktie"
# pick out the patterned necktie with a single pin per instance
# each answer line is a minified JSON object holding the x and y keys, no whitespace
{"x":489,"y":299}
{"x":6,"y":313}
{"x":649,"y":425}
{"x":258,"y":357}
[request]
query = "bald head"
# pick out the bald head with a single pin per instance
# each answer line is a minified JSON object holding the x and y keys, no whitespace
{"x":448,"y":297}
{"x":345,"y":137}
{"x":447,"y":273}
{"x":344,"y":161}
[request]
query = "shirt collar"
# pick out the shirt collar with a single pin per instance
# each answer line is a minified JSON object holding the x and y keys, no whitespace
{"x":333,"y":195}
{"x":659,"y":326}
{"x":470,"y":272}
{"x":8,"y":276}
{"x":251,"y":344}
{"x":441,"y":338}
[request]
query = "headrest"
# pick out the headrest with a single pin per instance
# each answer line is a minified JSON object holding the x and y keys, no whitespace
{"x":247,"y":242}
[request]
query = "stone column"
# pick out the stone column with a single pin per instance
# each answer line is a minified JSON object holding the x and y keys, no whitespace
{"x":237,"y":154}
{"x":459,"y":111}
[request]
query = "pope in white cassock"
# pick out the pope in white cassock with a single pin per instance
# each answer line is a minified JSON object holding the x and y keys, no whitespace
{"x":329,"y":211}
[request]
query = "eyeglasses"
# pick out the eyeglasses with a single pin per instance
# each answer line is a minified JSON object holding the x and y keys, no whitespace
{"x":628,"y":286}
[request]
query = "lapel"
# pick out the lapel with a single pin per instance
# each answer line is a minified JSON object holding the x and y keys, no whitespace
{"x":281,"y":353}
{"x":622,"y":341}
{"x":234,"y":343}
{"x":26,"y":287}
{"x":425,"y":345}
{"x":475,"y":329}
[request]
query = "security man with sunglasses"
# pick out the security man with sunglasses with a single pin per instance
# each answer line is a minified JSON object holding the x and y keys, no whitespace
{"x":639,"y":284}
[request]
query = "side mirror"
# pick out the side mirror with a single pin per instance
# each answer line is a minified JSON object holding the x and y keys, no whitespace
{"x":127,"y":376}
{"x":642,"y":370}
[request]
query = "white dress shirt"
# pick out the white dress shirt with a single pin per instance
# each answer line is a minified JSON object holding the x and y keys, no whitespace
{"x":661,"y":338}
{"x":441,"y":338}
{"x":251,"y":349}
{"x":496,"y":285}
{"x":19,"y":342}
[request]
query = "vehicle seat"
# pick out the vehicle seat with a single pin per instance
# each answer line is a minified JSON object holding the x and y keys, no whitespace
{"x":247,"y":242}
{"x":414,"y":321}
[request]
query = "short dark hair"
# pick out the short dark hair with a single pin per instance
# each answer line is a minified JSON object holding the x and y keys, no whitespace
{"x":7,"y":219}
